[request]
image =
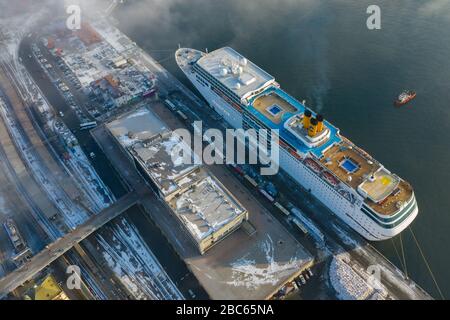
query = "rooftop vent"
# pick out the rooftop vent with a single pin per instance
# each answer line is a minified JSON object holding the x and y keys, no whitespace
{"x":223,"y":72}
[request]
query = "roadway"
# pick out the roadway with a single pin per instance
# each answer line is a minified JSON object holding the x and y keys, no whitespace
{"x":64,"y":244}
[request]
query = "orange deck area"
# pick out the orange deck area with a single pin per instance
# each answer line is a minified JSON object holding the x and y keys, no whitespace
{"x":392,"y":190}
{"x":264,"y":102}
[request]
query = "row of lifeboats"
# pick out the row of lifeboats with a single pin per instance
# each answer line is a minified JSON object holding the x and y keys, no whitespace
{"x":319,"y":170}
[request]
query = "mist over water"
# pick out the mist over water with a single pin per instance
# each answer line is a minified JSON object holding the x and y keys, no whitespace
{"x":322,"y":51}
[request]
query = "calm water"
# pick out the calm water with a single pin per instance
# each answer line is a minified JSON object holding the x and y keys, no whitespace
{"x":322,"y":51}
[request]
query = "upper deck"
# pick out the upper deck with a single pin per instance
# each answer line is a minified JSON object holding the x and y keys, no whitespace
{"x":187,"y":57}
{"x":394,"y":202}
{"x":273,"y":107}
{"x":276,"y":109}
{"x":349,"y":164}
{"x":384,"y":192}
{"x":235,"y":72}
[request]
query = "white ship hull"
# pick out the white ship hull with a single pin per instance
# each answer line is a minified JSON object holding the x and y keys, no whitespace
{"x":370,"y":226}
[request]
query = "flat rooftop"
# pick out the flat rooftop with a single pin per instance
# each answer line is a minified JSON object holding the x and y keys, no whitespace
{"x":206,"y":207}
{"x":260,"y":107}
{"x":159,"y":150}
{"x":136,"y":126}
{"x":161,"y":159}
{"x":234,"y":71}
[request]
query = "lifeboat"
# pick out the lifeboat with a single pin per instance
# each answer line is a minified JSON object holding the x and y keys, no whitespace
{"x":313,"y":165}
{"x":330,"y":179}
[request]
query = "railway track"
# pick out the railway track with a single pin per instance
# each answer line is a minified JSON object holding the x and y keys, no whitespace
{"x":38,"y":214}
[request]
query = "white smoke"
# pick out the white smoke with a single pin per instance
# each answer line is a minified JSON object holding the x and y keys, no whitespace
{"x":436,"y":8}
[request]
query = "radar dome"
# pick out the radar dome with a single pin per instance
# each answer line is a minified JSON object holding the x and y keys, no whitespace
{"x":223,"y":72}
{"x":237,"y":86}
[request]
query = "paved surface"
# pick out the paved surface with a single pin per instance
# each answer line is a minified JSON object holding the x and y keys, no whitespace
{"x":62,"y":245}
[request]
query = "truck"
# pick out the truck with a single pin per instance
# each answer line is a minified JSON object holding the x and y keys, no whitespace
{"x":170,"y":105}
{"x":182,"y":115}
{"x":88,"y":125}
{"x":282,"y":209}
{"x":300,"y":226}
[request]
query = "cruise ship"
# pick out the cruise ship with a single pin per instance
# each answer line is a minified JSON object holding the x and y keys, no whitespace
{"x":375,"y":202}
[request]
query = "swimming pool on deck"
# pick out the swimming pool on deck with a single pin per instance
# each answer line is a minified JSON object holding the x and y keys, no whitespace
{"x":349,"y":166}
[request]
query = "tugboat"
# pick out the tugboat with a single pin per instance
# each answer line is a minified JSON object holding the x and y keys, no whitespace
{"x":405,"y":97}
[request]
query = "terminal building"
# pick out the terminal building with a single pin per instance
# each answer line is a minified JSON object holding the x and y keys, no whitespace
{"x":205,"y":208}
{"x":235,"y":252}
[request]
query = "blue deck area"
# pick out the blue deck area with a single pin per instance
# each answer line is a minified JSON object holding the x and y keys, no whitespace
{"x":285,"y":134}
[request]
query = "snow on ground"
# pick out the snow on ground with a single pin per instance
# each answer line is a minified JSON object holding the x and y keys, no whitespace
{"x":140,"y":113}
{"x":15,"y":27}
{"x":74,"y":214}
{"x":315,"y":232}
{"x":135,"y":265}
{"x":119,"y":41}
{"x":130,"y":258}
{"x":126,"y":141}
{"x":346,"y":238}
{"x":82,"y":172}
{"x":252,"y":275}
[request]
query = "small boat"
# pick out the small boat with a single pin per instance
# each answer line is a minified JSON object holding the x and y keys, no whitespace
{"x":405,"y":97}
